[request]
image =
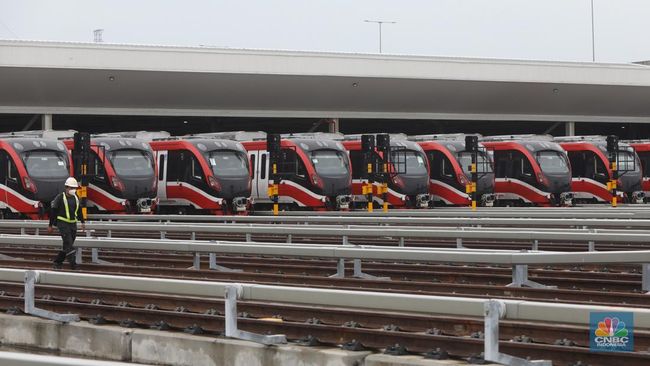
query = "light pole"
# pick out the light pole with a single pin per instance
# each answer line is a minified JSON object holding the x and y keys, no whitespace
{"x":379,"y":23}
{"x":593,"y":37}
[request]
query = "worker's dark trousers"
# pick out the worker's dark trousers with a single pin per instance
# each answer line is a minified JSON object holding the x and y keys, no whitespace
{"x":68,"y":233}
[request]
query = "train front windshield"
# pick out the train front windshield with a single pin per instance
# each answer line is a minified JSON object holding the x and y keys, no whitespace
{"x":412,"y":161}
{"x":132,"y":163}
{"x":482,"y":163}
{"x":552,"y":162}
{"x":46,"y":164}
{"x":330,"y":162}
{"x":228,"y":163}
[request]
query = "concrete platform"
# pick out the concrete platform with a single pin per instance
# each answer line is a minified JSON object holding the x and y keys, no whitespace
{"x":387,"y":360}
{"x":160,"y":347}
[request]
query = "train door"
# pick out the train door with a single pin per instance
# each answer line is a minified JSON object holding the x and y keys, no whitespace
{"x":441,"y":167}
{"x":262,"y":174}
{"x":162,"y":174}
{"x":4,"y":173}
{"x":522,"y":169}
{"x":502,"y":164}
{"x":12,"y":182}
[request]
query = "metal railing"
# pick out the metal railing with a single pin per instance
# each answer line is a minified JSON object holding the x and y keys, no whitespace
{"x":492,"y":310}
{"x":518,"y":260}
{"x":458,"y":220}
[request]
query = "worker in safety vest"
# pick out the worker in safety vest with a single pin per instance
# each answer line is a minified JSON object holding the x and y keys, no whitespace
{"x":65,"y":214}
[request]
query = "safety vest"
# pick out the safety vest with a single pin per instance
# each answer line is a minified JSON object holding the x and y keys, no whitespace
{"x":67,"y":210}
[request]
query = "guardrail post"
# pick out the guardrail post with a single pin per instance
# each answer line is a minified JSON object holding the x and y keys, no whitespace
{"x":94,"y":258}
{"x":162,"y":234}
{"x":197,"y":262}
{"x":234,"y":292}
{"x":248,"y":238}
{"x":459,"y":243}
{"x":344,"y":240}
{"x":358,"y":273}
{"x":520,"y":278}
{"x":495,"y":310}
{"x":645,"y":277}
{"x":340,"y":269}
{"x":289,"y":239}
{"x":401,"y":241}
{"x":213,"y":265}
{"x":592,"y":246}
{"x":535,"y":244}
{"x":78,"y":256}
{"x":193,"y":236}
{"x":31,"y":279}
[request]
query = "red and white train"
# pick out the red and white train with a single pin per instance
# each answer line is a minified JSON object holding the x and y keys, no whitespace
{"x":315,"y":172}
{"x":592,"y":170}
{"x":200,"y":174}
{"x":33,"y":171}
{"x":530,"y":170}
{"x":449,"y":164}
{"x":408,"y":187}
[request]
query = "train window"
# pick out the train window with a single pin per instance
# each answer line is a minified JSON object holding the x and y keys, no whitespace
{"x":12,"y":171}
{"x":330,"y":162}
{"x":253,"y":167}
{"x":440,"y":165}
{"x":263,"y":166}
{"x":161,"y":168}
{"x":291,"y":164}
{"x":588,"y":165}
{"x":175,"y":165}
{"x":228,"y":163}
{"x":195,"y":169}
{"x":552,"y":162}
{"x":502,"y":164}
{"x":132,"y":163}
{"x":521,"y":166}
{"x":97,"y":167}
{"x":45,"y":164}
{"x":415,"y":164}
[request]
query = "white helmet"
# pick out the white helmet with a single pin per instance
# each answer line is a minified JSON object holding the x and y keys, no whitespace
{"x":71,"y":182}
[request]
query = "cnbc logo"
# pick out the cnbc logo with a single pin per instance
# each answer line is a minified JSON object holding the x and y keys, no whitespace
{"x":611,"y":331}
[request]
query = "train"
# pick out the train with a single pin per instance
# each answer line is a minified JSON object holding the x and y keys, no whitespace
{"x":200,"y":174}
{"x":121,"y":172}
{"x":33,"y":170}
{"x":408,"y":183}
{"x":450,"y":174}
{"x":592,"y":169}
{"x":642,"y":148}
{"x":230,"y":172}
{"x":530,"y":170}
{"x":314,"y":171}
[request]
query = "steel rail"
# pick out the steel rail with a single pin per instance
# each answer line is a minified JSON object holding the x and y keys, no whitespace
{"x":574,"y":235}
{"x":345,"y":251}
{"x":388,"y":220}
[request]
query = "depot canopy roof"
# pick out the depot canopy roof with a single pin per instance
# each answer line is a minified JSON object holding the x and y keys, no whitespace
{"x":82,"y":78}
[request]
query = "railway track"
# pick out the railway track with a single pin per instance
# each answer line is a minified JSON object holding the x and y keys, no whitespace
{"x":402,"y":333}
{"x":439,"y":336}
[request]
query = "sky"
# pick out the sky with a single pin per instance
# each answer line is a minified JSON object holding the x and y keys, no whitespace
{"x":515,"y":29}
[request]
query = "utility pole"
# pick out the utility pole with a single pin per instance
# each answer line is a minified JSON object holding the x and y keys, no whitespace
{"x":593,"y":36}
{"x":379,"y":23}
